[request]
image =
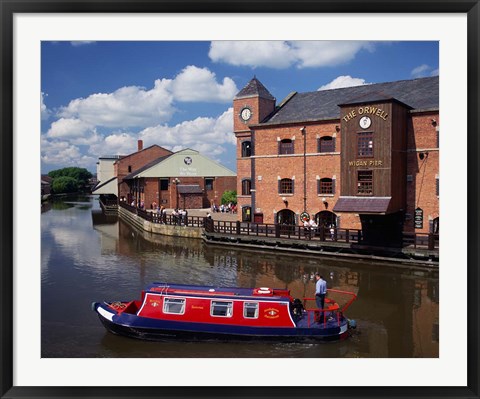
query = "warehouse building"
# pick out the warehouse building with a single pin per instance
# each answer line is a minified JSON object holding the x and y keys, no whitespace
{"x":363,"y":157}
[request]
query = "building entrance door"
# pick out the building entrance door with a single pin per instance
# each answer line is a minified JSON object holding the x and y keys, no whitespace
{"x":382,"y":230}
{"x":286,"y":220}
{"x":326,"y":219}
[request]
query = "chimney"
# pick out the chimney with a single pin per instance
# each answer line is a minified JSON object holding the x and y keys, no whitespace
{"x":140,"y":145}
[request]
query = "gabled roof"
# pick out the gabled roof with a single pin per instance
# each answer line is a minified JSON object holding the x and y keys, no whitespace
{"x":419,"y":94}
{"x":187,"y":162}
{"x":254,"y":88}
{"x":108,"y":187}
{"x":123,"y":157}
{"x":145,"y":167}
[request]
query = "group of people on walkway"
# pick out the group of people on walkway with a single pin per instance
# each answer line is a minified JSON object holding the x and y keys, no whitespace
{"x":225,"y":208}
{"x":179,"y":216}
{"x":312,"y":227}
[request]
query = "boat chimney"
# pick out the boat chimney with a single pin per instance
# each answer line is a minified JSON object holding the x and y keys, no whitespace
{"x":140,"y":145}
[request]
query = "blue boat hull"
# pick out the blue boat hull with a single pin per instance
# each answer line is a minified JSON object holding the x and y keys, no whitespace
{"x":161,"y":330}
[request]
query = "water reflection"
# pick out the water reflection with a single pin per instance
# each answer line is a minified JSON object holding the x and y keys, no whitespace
{"x":88,"y":256}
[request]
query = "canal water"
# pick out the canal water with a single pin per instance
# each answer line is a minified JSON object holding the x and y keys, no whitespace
{"x":87,"y":256}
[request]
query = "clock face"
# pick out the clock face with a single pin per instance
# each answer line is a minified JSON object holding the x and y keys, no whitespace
{"x":365,"y":122}
{"x":246,"y":114}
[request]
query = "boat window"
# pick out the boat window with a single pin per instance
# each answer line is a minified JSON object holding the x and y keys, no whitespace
{"x":250,"y":310}
{"x":224,"y":309}
{"x":174,"y":305}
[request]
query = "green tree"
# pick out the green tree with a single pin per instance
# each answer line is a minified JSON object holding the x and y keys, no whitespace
{"x":64,"y":184}
{"x":80,"y":175}
{"x":229,"y":196}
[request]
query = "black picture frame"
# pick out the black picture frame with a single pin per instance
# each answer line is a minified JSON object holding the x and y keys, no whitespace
{"x":9,"y":8}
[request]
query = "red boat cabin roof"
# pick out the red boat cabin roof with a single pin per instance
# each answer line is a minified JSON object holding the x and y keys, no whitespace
{"x":211,"y":291}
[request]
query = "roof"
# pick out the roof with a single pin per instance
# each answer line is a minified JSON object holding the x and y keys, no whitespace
{"x":419,"y":94}
{"x":362,"y":204}
{"x":145,"y":167}
{"x":212,"y":291}
{"x":187,"y":163}
{"x":108,"y":187}
{"x":254,"y":88}
{"x":123,"y":157}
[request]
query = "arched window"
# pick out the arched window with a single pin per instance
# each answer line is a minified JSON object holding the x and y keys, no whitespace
{"x":287,"y":221}
{"x":326,"y":186}
{"x":246,"y":149}
{"x":285,"y":146}
{"x":326,"y":144}
{"x":326,"y":219}
{"x":285,"y":186}
{"x":246,"y":186}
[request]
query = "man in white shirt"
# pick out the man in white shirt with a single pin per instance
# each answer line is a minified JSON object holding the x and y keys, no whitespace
{"x":320,"y":292}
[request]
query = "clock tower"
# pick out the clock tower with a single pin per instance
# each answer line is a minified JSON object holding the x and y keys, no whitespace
{"x":251,"y":106}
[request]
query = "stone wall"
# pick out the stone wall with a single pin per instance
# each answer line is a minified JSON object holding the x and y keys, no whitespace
{"x":155,"y":228}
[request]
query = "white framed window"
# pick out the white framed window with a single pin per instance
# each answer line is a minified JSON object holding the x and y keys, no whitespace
{"x":174,"y":305}
{"x":250,"y":310}
{"x":221,"y":309}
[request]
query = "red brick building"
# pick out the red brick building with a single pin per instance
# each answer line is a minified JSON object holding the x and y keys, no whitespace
{"x":154,"y":175}
{"x":130,"y":163}
{"x":184,"y":179}
{"x":363,"y":157}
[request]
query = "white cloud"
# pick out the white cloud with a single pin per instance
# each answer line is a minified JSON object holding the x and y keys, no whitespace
{"x":207,"y":135}
{"x":78,"y":43}
{"x":273,"y":54}
{"x":421,"y":71}
{"x":130,"y":109}
{"x":44,"y":111}
{"x":282,"y":54}
{"x":130,"y":106}
{"x":63,"y":154}
{"x":134,"y":106}
{"x":115,"y":144}
{"x":69,"y":128}
{"x":435,"y":72}
{"x":210,"y":136}
{"x":343,"y":81}
{"x":199,"y":84}
{"x":327,"y":53}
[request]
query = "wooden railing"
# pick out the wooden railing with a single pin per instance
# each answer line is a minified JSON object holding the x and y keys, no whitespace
{"x":348,"y":236}
{"x":154,"y":217}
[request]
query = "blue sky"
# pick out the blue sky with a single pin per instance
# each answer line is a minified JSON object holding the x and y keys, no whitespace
{"x":99,"y":98}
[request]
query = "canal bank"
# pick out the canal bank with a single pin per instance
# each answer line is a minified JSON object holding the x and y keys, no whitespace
{"x":224,"y":231}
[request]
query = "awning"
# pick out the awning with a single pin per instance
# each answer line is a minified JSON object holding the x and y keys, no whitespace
{"x":108,"y":187}
{"x":378,"y":205}
{"x":189,"y":189}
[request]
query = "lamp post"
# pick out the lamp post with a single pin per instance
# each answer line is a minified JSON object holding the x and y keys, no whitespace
{"x":176,"y":181}
{"x":304,"y":134}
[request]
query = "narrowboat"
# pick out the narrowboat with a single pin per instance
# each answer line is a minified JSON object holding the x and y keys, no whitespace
{"x":198,"y":313}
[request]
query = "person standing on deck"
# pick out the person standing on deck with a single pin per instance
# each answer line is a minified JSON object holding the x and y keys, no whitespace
{"x":320,"y":292}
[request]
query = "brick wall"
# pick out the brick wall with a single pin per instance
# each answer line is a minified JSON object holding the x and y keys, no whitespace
{"x":269,"y":166}
{"x":421,"y":190}
{"x":135,"y":161}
